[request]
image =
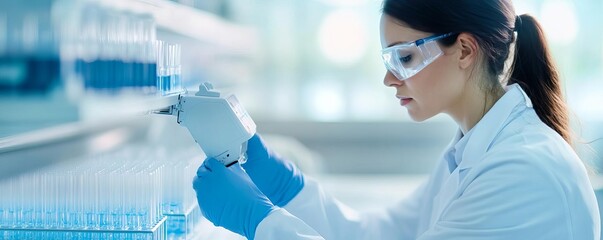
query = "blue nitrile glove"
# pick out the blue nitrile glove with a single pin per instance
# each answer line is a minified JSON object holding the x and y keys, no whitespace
{"x":228,"y":198}
{"x":278,"y":178}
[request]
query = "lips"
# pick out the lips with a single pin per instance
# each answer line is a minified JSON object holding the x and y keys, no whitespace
{"x":404,"y":100}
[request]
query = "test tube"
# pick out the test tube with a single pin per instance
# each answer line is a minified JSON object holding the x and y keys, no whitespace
{"x":130,"y":55}
{"x":170,"y":65}
{"x":113,"y":52}
{"x":87,"y":41}
{"x":161,"y":67}
{"x":121,"y":190}
{"x":150,"y":59}
{"x":175,"y":68}
{"x":94,"y":198}
{"x":3,"y":205}
{"x":60,"y":199}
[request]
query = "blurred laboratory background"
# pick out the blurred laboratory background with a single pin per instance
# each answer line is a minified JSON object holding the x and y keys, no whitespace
{"x":84,"y":158}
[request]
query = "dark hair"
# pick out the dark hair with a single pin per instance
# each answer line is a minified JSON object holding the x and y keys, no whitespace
{"x":493,"y":23}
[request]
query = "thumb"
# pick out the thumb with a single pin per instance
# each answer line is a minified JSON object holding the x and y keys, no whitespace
{"x":256,"y":148}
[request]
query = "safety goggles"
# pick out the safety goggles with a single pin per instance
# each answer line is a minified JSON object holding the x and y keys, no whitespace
{"x":407,"y":59}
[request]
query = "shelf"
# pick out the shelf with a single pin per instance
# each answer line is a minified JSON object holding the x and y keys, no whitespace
{"x":39,"y":131}
{"x":197,"y":24}
{"x":31,"y":114}
{"x":99,"y":107}
{"x":67,"y":142}
{"x":58,"y":109}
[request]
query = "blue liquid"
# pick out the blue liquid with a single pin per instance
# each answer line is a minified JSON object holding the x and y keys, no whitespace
{"x":29,"y":74}
{"x":175,"y":208}
{"x":113,"y":75}
{"x":27,"y":217}
{"x":181,"y":225}
{"x":74,"y":221}
{"x":49,"y":221}
{"x":89,"y":220}
{"x":131,"y":218}
{"x":2,"y":218}
{"x":104,"y":220}
{"x":159,"y":234}
{"x":117,"y":220}
{"x":164,"y":84}
{"x":150,"y":74}
{"x":169,"y":84}
{"x":176,"y":82}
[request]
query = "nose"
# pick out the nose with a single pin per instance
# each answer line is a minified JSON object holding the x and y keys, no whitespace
{"x":391,"y":81}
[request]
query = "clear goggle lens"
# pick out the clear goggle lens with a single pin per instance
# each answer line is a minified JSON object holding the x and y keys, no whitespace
{"x":406,"y":60}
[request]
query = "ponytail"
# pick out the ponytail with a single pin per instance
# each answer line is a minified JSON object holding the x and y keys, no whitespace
{"x":536,"y":73}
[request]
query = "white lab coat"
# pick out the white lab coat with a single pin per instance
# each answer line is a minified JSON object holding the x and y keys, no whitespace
{"x":516,"y":179}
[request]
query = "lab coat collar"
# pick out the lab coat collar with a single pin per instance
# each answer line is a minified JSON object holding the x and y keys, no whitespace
{"x":451,"y":152}
{"x":453,"y":156}
{"x":482,"y":135}
{"x":461,"y":145}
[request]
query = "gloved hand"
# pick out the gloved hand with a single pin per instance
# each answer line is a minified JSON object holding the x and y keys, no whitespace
{"x":279,"y":179}
{"x":228,"y":198}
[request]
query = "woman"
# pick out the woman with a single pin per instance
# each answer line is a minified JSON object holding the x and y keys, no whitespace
{"x":510,"y":173}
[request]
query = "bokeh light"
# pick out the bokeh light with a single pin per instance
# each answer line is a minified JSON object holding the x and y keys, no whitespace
{"x":343,"y":37}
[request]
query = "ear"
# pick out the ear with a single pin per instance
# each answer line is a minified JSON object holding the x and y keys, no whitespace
{"x":468,"y":47}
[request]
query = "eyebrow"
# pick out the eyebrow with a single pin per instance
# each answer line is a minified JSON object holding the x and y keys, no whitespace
{"x":424,"y":40}
{"x":396,"y":43}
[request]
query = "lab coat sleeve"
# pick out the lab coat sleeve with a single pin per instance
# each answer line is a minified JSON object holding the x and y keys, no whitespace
{"x":506,"y":199}
{"x":334,"y":220}
{"x":280,"y":224}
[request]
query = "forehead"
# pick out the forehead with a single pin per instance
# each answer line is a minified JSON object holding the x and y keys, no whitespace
{"x":395,"y":32}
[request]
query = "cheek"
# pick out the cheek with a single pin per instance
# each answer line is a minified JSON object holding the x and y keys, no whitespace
{"x":434,"y":86}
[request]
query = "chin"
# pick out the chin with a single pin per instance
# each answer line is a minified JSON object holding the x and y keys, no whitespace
{"x":419,"y":116}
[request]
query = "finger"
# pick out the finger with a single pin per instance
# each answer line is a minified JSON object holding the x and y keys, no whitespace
{"x":199,"y":184}
{"x":196,"y":182}
{"x":255,"y":138}
{"x":256,"y":149}
{"x":204,"y":169}
{"x":214,"y":165}
{"x":255,"y":141}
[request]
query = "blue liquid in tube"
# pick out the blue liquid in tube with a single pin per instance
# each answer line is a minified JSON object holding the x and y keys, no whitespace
{"x":29,"y":74}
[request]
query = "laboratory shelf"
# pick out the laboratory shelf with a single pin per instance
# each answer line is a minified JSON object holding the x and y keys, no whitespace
{"x":39,"y":148}
{"x":29,"y":112}
{"x":95,"y":107}
{"x":194,"y":23}
{"x":40,"y":132}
